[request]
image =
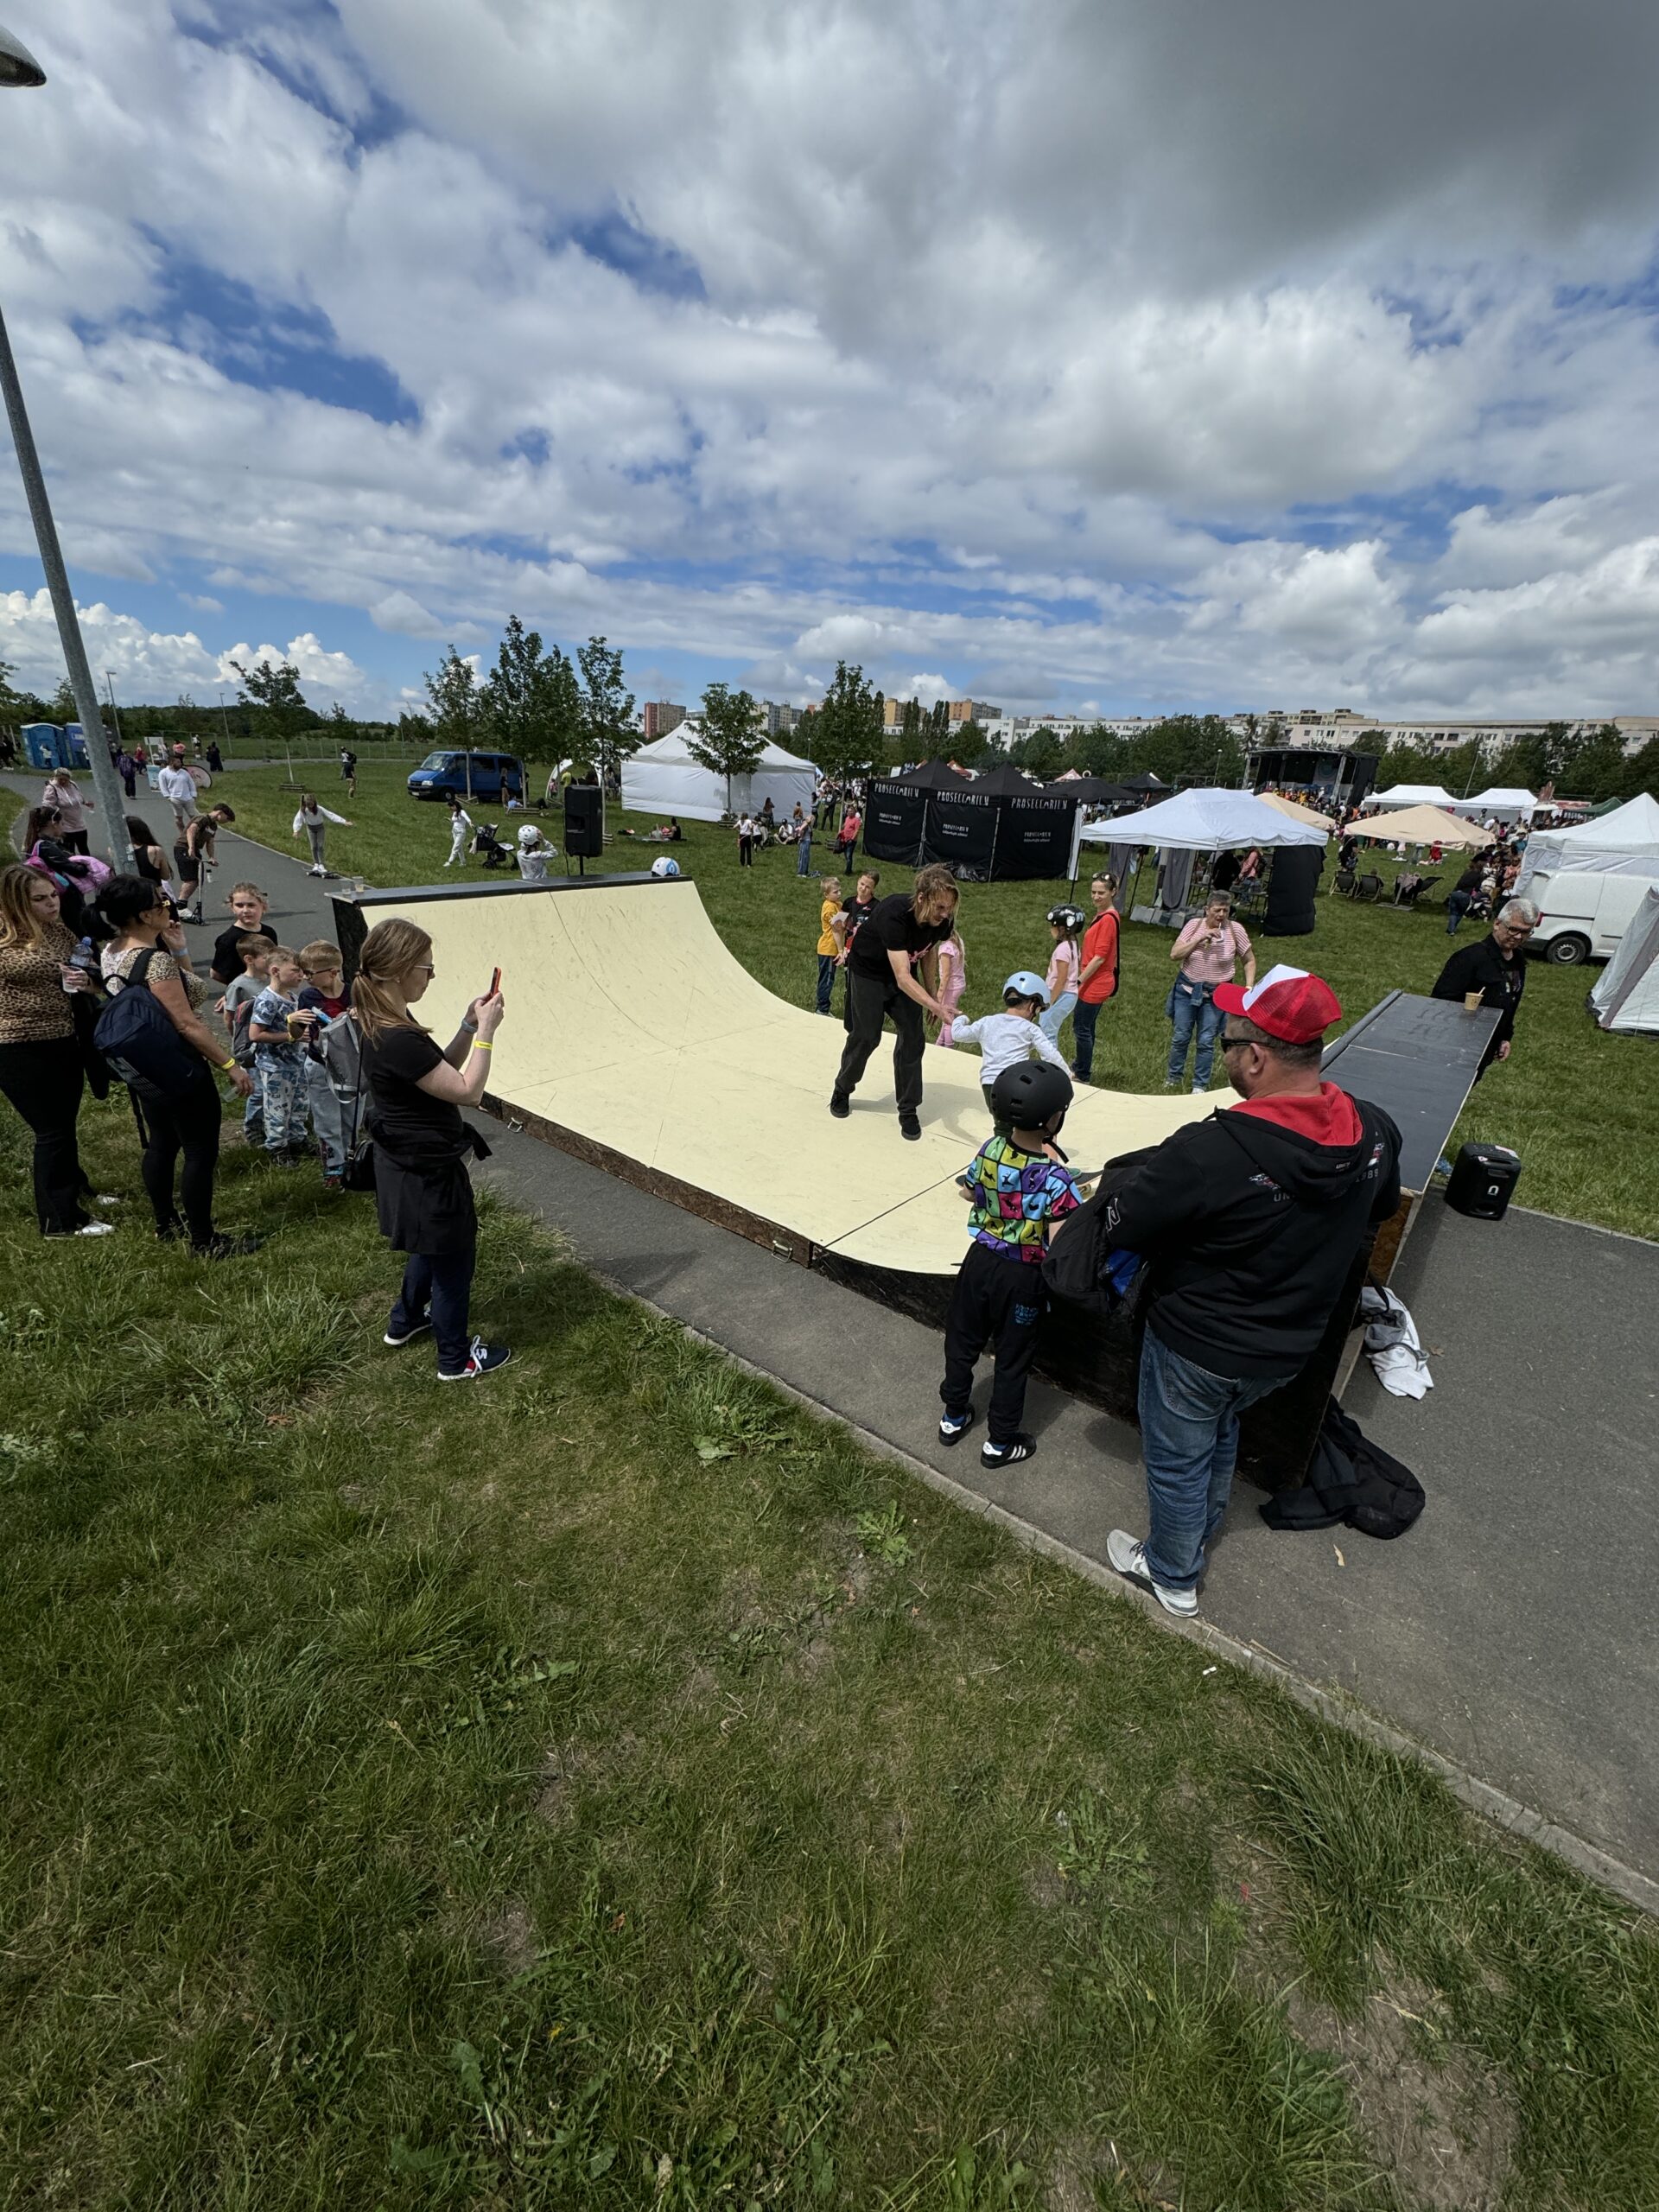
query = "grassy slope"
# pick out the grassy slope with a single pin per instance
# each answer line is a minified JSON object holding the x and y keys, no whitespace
{"x":612,"y":1789}
{"x":1581,"y":1107}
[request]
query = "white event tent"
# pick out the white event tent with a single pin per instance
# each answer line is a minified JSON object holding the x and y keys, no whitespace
{"x":663,"y":778}
{"x":1626,"y":996}
{"x":1410,"y":795}
{"x":1623,"y":842}
{"x":1498,"y":804}
{"x":1204,"y":821}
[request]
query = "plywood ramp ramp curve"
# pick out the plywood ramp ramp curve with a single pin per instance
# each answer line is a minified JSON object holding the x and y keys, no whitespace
{"x":634,"y":1036}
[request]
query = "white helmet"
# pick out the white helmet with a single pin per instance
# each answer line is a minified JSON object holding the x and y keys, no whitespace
{"x":529,"y":835}
{"x":665,"y":867}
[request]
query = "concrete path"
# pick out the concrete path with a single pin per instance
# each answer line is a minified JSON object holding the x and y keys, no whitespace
{"x":1509,"y":1632}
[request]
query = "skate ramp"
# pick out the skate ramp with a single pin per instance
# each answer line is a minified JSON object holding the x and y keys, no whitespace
{"x":634,"y":1039}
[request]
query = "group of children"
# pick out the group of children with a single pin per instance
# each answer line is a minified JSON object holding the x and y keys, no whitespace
{"x":287,"y":1014}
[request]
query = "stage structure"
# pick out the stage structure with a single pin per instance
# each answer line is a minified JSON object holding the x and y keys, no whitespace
{"x":692,"y":1082}
{"x":1342,"y":779}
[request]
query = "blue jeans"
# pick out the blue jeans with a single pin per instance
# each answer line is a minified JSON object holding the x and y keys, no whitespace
{"x":1193,"y":1005}
{"x":1050,"y":1018}
{"x":826,"y":980}
{"x":805,"y":866}
{"x":443,"y":1286}
{"x":280,"y":1073}
{"x":1189,"y":1439}
{"x":1084,"y":1016}
{"x":1457,"y":905}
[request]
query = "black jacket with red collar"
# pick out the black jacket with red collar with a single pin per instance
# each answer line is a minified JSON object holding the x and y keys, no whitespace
{"x":1250,"y":1221}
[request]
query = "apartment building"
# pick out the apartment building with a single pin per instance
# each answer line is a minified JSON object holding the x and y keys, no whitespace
{"x":661,"y":716}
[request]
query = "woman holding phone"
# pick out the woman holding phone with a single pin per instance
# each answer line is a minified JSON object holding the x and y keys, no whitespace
{"x":1209,"y":949}
{"x":422,"y":1192}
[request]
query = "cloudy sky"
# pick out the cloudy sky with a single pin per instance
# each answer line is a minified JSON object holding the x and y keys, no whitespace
{"x":1126,"y":357}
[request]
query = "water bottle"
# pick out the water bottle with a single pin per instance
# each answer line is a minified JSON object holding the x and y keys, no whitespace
{"x":85,"y":957}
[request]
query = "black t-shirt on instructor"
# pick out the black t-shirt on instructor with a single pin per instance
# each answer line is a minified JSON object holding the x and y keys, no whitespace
{"x":892,"y":927}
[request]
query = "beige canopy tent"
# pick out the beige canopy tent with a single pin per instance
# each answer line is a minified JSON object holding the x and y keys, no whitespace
{"x":1297,"y":812}
{"x":1421,"y":825}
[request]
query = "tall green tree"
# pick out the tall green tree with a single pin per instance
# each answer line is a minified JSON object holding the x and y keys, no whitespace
{"x":731,"y":741}
{"x":607,"y":733}
{"x":276,"y":692}
{"x":454,"y":705}
{"x":532,"y":699}
{"x":847,"y":735}
{"x":969,"y":744}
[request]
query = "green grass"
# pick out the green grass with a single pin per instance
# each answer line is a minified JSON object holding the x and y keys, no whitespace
{"x":613,"y":1788}
{"x":1581,"y":1107}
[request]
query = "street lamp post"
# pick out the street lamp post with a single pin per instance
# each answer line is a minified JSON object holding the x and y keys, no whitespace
{"x":20,"y":71}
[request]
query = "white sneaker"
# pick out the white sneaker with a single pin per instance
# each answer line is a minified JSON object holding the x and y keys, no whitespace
{"x":97,"y":1229}
{"x":1128,"y":1555}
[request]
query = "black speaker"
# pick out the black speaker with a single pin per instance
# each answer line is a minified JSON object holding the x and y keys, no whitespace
{"x":584,"y":821}
{"x":1483,"y":1181}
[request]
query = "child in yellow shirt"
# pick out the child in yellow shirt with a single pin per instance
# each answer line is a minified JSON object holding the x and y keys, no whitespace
{"x":832,"y":928}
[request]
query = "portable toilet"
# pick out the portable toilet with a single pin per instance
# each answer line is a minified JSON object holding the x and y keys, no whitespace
{"x":73,"y":754}
{"x":40,"y":744}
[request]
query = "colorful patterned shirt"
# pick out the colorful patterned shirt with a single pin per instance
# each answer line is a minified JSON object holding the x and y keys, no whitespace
{"x":1014,"y":1194}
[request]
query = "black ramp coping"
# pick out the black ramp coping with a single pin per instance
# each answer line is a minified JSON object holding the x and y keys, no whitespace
{"x":1416,"y":1057}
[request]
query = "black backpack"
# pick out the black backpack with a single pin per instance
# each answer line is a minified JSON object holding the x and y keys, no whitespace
{"x":1081,"y":1266}
{"x":135,"y":1036}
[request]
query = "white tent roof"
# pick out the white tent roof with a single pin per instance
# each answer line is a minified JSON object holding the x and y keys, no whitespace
{"x":1411,"y":795}
{"x":663,"y":778}
{"x":1421,"y":825}
{"x":1623,"y":842}
{"x":1497,"y":801}
{"x":1203,"y":822}
{"x":1626,"y":996}
{"x":673,"y":751}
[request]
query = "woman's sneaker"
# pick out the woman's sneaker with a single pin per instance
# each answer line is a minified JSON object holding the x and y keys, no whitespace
{"x":408,"y":1335}
{"x":482,"y":1359}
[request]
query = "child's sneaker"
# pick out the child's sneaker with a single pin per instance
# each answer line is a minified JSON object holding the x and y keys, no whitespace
{"x":1004,"y":1455}
{"x":408,"y":1335}
{"x":954,"y":1426}
{"x":482,"y":1359}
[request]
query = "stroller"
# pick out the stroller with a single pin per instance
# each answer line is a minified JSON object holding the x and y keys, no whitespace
{"x":489,"y":849}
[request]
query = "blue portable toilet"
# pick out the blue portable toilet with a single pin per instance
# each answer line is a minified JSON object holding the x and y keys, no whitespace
{"x":72,"y":752}
{"x":40,"y":744}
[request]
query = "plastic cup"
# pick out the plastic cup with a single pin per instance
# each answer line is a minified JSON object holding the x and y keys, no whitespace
{"x":1471,"y":1001}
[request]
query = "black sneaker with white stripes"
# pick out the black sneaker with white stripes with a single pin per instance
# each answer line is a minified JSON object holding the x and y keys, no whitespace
{"x":482,"y":1359}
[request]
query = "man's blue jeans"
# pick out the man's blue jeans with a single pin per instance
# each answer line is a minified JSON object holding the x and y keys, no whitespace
{"x":804,"y":867}
{"x":1189,"y":1438}
{"x":1457,"y":905}
{"x":1193,"y":1005}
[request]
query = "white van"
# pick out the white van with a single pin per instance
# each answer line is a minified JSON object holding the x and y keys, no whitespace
{"x":1584,"y":917}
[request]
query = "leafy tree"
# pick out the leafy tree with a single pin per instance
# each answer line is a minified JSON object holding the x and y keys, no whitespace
{"x":732,"y":740}
{"x":969,"y":745}
{"x":531,"y":700}
{"x":1040,"y":750}
{"x":607,"y":708}
{"x":1599,"y":770}
{"x":276,"y":692}
{"x":848,"y":732}
{"x":63,"y":708}
{"x":1639,"y":773}
{"x":454,"y":706}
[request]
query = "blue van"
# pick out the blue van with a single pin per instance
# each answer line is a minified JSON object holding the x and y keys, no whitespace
{"x":495,"y":777}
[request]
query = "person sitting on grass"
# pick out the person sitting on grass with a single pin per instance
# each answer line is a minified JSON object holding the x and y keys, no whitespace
{"x":1016,"y":1189}
{"x":278,"y":1030}
{"x":1012,"y":1037}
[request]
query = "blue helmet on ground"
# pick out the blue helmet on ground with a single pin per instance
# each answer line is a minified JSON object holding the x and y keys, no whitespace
{"x":1022,"y":984}
{"x":665,"y":867}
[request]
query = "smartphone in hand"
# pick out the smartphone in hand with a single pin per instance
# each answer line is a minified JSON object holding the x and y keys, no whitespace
{"x":495,"y":983}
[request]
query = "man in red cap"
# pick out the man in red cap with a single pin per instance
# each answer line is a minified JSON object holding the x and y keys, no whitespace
{"x":1249,"y":1221}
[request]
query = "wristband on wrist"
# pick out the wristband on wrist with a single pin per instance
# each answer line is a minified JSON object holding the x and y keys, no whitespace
{"x":482,"y":1045}
{"x":231,"y":1063}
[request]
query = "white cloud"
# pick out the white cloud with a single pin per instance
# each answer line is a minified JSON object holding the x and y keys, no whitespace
{"x":399,"y":611}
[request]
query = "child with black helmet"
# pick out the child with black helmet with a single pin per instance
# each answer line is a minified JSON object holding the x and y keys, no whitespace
{"x":1016,"y":1186}
{"x":1060,"y":985}
{"x":1013,"y":1036}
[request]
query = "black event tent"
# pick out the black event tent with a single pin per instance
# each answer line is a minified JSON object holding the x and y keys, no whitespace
{"x":1006,"y":781}
{"x":932,"y":776}
{"x":1000,"y":826}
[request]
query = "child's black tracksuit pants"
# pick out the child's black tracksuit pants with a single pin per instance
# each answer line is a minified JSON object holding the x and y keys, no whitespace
{"x":997,"y":1301}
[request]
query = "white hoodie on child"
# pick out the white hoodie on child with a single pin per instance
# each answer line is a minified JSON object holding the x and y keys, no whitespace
{"x":1005,"y":1040}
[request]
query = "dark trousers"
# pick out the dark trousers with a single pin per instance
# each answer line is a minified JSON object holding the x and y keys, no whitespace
{"x":999,"y":1302}
{"x":442,"y":1284}
{"x":188,"y":1124}
{"x":746,"y":852}
{"x":1084,"y":1017}
{"x":44,"y":1081}
{"x":73,"y":840}
{"x":869,"y":998}
{"x":826,"y":980}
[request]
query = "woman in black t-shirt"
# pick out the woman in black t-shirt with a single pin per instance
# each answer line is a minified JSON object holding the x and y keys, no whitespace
{"x":900,"y":936}
{"x":422,"y":1192}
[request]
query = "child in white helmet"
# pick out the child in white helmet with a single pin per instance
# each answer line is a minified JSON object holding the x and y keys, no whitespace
{"x":1007,"y":1038}
{"x":534,"y":854}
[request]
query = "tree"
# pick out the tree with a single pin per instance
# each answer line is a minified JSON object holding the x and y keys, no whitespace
{"x":607,"y":708}
{"x":969,"y":745}
{"x":732,"y":740}
{"x":63,"y":708}
{"x":847,"y":735}
{"x":277,"y":693}
{"x":531,"y":700}
{"x":454,"y":705}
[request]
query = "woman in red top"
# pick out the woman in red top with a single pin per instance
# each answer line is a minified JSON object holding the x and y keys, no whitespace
{"x":1098,"y":975}
{"x":851,"y":822}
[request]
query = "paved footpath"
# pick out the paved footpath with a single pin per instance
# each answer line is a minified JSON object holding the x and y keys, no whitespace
{"x":1509,"y":1633}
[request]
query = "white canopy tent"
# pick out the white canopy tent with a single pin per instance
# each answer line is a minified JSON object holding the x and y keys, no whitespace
{"x":663,"y":778}
{"x":1623,"y":842}
{"x":1410,"y":795}
{"x":1626,"y":996}
{"x":1204,"y":821}
{"x":1498,"y":805}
